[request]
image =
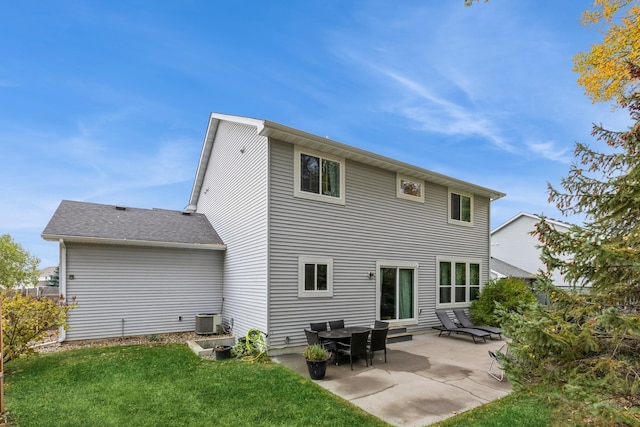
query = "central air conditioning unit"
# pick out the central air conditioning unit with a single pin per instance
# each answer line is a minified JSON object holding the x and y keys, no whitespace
{"x":208,"y":323}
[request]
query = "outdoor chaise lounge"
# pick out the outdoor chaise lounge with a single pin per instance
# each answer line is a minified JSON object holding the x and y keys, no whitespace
{"x":465,"y":322}
{"x":448,"y":326}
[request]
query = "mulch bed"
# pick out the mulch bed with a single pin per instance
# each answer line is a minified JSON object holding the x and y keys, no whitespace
{"x":49,"y":344}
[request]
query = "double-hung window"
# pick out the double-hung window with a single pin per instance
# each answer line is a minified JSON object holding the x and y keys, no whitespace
{"x":315,"y":277}
{"x":460,"y":208}
{"x":458,"y":281}
{"x":318,"y":176}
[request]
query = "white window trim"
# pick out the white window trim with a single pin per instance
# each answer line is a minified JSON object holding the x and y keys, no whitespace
{"x":416,"y":284}
{"x":468,"y":262}
{"x":302,"y":292}
{"x":401,"y":195}
{"x":297,"y":192}
{"x":457,"y":221}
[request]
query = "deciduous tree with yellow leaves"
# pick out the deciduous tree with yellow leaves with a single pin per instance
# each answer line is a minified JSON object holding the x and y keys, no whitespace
{"x":604,"y":71}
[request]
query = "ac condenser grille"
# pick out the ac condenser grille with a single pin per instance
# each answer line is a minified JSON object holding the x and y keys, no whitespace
{"x":207,"y":323}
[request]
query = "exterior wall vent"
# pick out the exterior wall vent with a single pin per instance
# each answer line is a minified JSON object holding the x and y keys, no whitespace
{"x":121,"y":208}
{"x":208,"y":323}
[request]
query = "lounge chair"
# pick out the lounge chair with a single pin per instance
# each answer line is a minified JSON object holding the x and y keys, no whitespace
{"x":448,"y":326}
{"x":465,"y":322}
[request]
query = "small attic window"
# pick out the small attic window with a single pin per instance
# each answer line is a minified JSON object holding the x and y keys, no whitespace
{"x":121,"y":208}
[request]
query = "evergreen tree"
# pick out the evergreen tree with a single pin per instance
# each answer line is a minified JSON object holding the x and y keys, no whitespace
{"x":605,"y":187}
{"x":586,"y":346}
{"x":54,"y":279}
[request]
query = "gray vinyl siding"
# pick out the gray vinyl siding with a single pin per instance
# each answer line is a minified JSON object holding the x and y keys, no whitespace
{"x":234,"y":199}
{"x":373,"y":225}
{"x":148,"y":288}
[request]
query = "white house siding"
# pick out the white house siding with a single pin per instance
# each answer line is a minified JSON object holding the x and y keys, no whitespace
{"x":514,"y":244}
{"x":132,"y":290}
{"x":234,"y":199}
{"x":373,"y":225}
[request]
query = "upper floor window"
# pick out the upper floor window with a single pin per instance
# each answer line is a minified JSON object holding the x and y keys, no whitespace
{"x":315,"y":277}
{"x":458,"y":281}
{"x":410,"y":188}
{"x":319,"y":176}
{"x":460,"y":208}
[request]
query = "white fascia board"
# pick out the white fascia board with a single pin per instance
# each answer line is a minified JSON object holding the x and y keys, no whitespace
{"x":148,"y":243}
{"x":288,"y":134}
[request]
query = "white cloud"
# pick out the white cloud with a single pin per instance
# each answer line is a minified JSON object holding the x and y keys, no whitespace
{"x":548,"y":150}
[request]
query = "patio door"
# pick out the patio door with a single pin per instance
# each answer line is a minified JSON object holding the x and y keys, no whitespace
{"x":397,"y":292}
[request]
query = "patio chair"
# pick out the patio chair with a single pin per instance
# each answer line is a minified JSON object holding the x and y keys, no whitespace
{"x":336,"y":324}
{"x":318,"y":327}
{"x":380,"y":324}
{"x":313,"y":338}
{"x":378,"y":342}
{"x":357,"y":347}
{"x":496,"y":359}
{"x":448,"y":326}
{"x":465,"y":322}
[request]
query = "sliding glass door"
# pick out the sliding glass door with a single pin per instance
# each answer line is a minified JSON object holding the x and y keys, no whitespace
{"x":397,"y":292}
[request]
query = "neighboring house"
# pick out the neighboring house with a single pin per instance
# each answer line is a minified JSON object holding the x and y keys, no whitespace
{"x":45,"y":275}
{"x":514,"y":247}
{"x":313,"y":230}
{"x":500,"y":269}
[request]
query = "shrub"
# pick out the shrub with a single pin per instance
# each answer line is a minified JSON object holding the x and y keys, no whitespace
{"x":27,"y":318}
{"x":512,"y":294}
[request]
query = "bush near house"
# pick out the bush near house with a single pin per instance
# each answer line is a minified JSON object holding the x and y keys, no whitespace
{"x":27,"y":318}
{"x":510,"y":293}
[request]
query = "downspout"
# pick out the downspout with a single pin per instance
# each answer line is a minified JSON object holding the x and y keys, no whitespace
{"x":62,"y":277}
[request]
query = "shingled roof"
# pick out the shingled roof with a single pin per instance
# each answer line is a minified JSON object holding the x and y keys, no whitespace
{"x":507,"y":270}
{"x":97,"y":223}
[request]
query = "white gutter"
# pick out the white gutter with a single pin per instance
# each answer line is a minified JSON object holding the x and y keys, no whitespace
{"x":110,"y":241}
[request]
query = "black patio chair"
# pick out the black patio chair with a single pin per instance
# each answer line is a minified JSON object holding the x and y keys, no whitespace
{"x":318,"y":327}
{"x":378,"y":342}
{"x":357,"y":347}
{"x":448,"y":326}
{"x":314,"y":338}
{"x":336,"y":324}
{"x":465,"y":322}
{"x":380,"y":324}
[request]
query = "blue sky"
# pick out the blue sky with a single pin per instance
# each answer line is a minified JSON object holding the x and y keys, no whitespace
{"x":108,"y":102}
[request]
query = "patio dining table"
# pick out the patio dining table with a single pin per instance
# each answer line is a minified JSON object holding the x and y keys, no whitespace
{"x":342,"y":334}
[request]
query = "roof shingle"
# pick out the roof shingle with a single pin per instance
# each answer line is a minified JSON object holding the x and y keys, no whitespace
{"x":93,"y":221}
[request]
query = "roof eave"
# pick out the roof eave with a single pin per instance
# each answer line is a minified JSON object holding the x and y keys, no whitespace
{"x":299,"y":137}
{"x":129,"y":242}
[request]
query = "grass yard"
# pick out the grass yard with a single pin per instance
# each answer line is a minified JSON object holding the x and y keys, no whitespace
{"x":165,"y":385}
{"x":513,"y":410}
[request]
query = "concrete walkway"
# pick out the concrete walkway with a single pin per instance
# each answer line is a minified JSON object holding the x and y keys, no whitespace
{"x":424,"y":380}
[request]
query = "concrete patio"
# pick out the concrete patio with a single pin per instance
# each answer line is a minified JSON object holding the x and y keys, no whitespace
{"x":424,"y":380}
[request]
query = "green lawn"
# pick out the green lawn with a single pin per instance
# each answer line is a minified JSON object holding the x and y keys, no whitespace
{"x":514,"y":410}
{"x":168,"y":385}
{"x":165,"y":385}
